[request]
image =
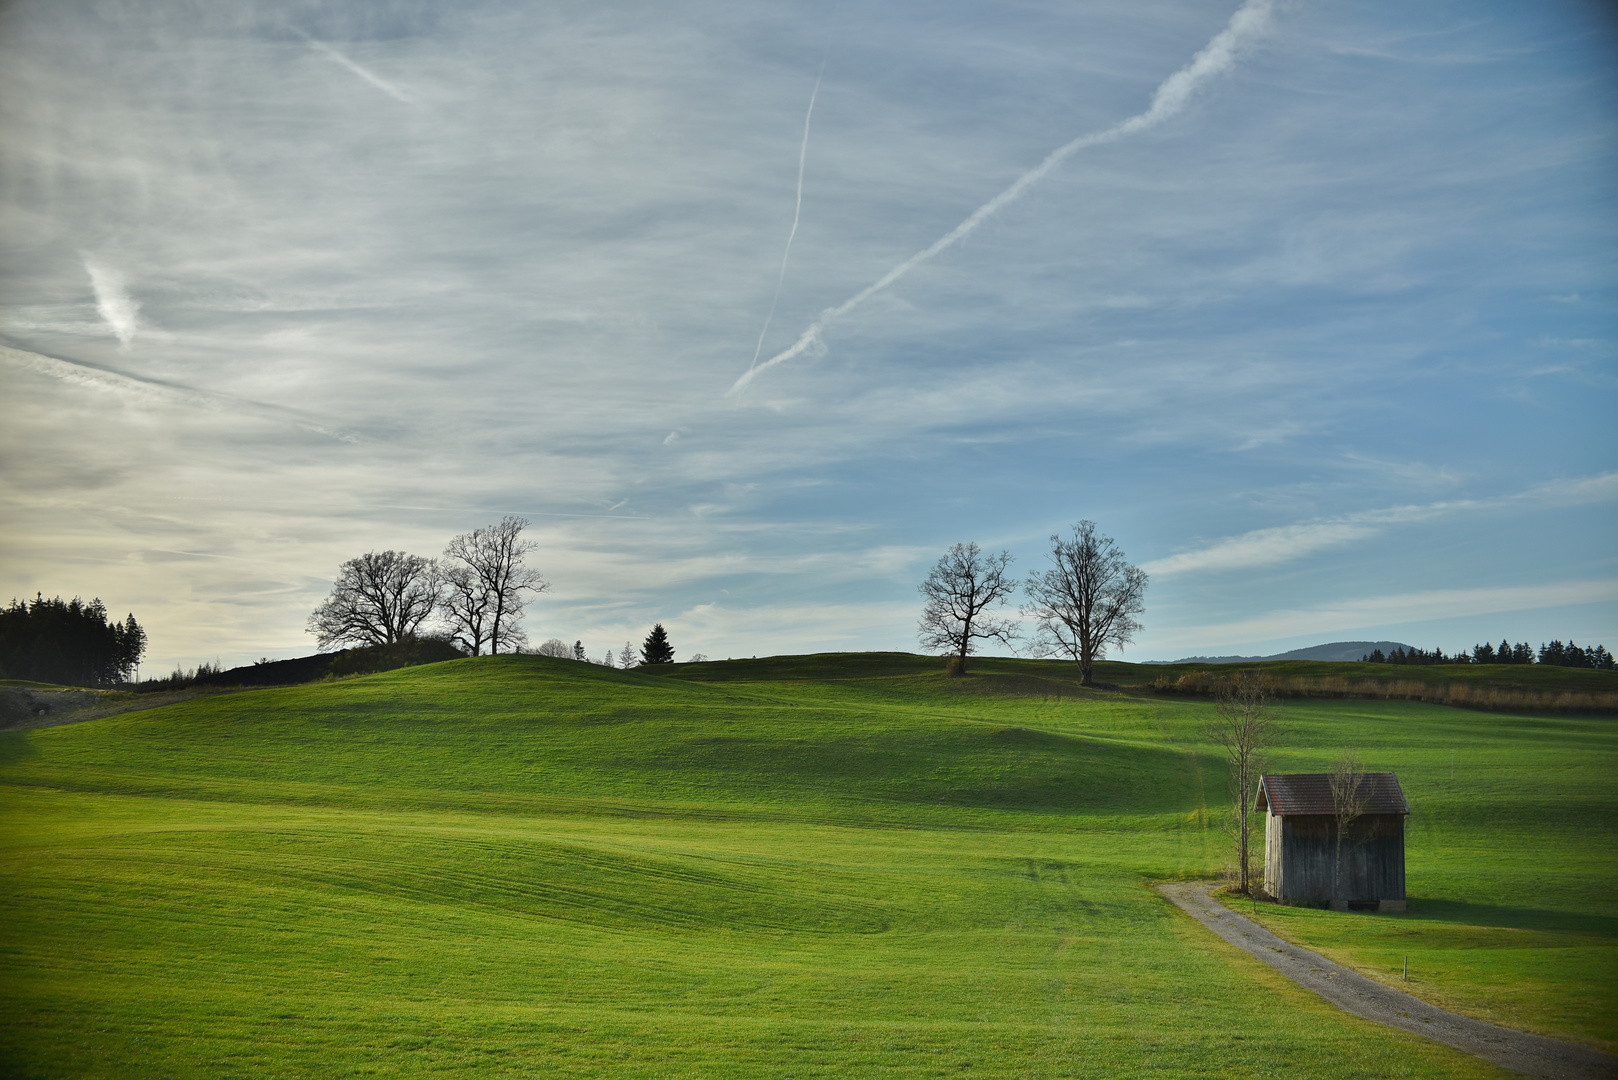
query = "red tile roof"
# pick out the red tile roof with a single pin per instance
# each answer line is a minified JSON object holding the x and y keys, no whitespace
{"x":1310,"y":793}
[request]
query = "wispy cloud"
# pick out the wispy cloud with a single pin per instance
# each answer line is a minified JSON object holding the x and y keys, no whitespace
{"x":517,"y":294}
{"x":134,"y":388}
{"x":1171,"y":96}
{"x":1285,"y":543}
{"x":1348,"y":616}
{"x":365,"y":73}
{"x":113,"y":302}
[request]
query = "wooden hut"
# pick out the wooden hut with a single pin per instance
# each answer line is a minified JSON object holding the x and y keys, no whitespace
{"x":1300,"y":841}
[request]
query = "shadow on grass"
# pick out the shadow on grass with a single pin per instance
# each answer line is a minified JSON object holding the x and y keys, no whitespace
{"x":1466,"y":913}
{"x":15,"y":746}
{"x":961,"y":765}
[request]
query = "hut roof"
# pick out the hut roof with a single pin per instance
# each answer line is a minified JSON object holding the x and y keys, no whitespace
{"x":1286,"y":794}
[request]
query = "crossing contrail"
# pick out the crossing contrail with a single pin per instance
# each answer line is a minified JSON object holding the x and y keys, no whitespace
{"x":797,"y":211}
{"x":1171,"y":96}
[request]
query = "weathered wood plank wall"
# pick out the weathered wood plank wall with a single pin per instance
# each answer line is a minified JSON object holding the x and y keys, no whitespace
{"x":1373,"y":858}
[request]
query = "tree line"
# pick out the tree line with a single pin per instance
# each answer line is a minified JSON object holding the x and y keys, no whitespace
{"x":476,"y":591}
{"x":1555,"y":654}
{"x":474,"y":595}
{"x":656,"y":649}
{"x":68,"y":642}
{"x":1084,"y":603}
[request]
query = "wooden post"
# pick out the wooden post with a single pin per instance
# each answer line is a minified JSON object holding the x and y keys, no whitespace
{"x":1407,"y":969}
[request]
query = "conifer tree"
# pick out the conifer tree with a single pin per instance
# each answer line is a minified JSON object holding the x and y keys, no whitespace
{"x":656,"y":648}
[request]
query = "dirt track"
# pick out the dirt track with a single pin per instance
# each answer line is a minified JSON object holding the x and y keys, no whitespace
{"x":1531,"y":1055}
{"x":24,"y":710}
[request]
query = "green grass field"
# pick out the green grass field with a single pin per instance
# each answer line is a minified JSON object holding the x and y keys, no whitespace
{"x":812,"y":866}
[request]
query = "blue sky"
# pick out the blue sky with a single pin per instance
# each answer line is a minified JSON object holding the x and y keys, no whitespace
{"x":1317,"y":320}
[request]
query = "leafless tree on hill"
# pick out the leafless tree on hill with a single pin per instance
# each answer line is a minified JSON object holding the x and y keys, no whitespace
{"x":466,"y":607}
{"x":1087,"y":601}
{"x":378,"y":599}
{"x":961,"y":591}
{"x":491,"y":562}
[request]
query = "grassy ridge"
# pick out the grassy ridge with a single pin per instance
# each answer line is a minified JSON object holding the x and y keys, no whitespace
{"x":805,"y":866}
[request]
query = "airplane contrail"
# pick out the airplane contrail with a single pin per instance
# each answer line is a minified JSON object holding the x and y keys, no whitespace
{"x":135,"y":387}
{"x":364,"y":73}
{"x":1170,"y":97}
{"x":797,"y":210}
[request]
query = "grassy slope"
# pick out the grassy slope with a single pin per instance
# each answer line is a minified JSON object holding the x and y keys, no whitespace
{"x":809,"y":866}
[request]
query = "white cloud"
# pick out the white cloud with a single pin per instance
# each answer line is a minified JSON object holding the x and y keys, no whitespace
{"x":116,"y":307}
{"x":1264,"y":547}
{"x":1285,"y":543}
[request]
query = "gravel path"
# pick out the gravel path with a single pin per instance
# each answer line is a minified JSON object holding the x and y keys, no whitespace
{"x":1531,"y":1055}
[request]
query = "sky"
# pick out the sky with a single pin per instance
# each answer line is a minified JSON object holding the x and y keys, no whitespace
{"x":753,"y":310}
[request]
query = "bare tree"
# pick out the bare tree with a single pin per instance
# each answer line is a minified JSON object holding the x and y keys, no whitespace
{"x":960,"y":591}
{"x":467,"y":605}
{"x":555,"y":647}
{"x":494,"y":557}
{"x":377,"y":599}
{"x":1244,"y":724}
{"x":1348,"y":799}
{"x":629,"y":657}
{"x":1088,"y":600}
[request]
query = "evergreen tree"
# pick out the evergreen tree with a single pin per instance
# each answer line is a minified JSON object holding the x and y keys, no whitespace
{"x":131,"y":646}
{"x":656,"y":649}
{"x":67,"y":642}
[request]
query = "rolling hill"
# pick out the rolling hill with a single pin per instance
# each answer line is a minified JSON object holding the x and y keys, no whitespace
{"x":808,"y":866}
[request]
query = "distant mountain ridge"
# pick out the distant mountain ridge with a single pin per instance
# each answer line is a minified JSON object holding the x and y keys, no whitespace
{"x":1335,"y":650}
